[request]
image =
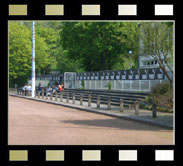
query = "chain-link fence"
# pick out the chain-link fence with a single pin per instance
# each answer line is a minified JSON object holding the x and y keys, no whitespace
{"x":123,"y":85}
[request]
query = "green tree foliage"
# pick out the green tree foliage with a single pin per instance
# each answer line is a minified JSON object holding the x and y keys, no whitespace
{"x":99,"y":45}
{"x":82,"y":46}
{"x":50,"y":37}
{"x":158,"y":43}
{"x":20,"y":54}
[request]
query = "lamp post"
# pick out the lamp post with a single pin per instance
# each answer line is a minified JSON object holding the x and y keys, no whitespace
{"x":130,"y":64}
{"x":33,"y":59}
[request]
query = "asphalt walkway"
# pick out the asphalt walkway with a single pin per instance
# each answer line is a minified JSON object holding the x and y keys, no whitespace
{"x":162,"y":119}
{"x":32,"y":122}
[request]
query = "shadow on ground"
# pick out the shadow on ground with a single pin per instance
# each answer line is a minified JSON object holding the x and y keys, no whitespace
{"x":117,"y":124}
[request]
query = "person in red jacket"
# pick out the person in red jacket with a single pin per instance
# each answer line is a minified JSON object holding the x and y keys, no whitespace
{"x":60,"y":88}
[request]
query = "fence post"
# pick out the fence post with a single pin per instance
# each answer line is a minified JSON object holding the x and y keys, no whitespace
{"x":130,"y":105}
{"x":51,"y":94}
{"x":136,"y":107}
{"x":46,"y":94}
{"x":42,"y":93}
{"x":98,"y":101}
{"x":139,"y":85}
{"x":81,"y":99}
{"x":121,"y":105}
{"x":67,"y":97}
{"x":28,"y":92}
{"x":73,"y":98}
{"x":109,"y":103}
{"x":55,"y":96}
{"x":154,"y":110}
{"x":89,"y":100}
{"x":61,"y":96}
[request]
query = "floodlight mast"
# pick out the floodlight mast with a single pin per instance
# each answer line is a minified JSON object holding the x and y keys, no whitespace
{"x":33,"y":59}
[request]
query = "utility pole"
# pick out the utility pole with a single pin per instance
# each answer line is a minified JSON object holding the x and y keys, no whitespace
{"x":33,"y":59}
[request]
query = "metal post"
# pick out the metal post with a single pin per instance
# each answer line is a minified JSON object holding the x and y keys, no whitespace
{"x":109,"y":103}
{"x":33,"y":58}
{"x":98,"y":101}
{"x":81,"y":99}
{"x":121,"y":105}
{"x":42,"y":93}
{"x":130,"y":85}
{"x":73,"y":98}
{"x":51,"y":95}
{"x":115,"y":82}
{"x":89,"y":100}
{"x":137,"y":108}
{"x":139,"y":85}
{"x":46,"y":94}
{"x":61,"y":96}
{"x":154,"y":110}
{"x":55,"y":96}
{"x":149,"y":85}
{"x":122,"y":82}
{"x":68,"y":97}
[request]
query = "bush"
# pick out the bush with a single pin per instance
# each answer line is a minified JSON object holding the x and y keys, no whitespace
{"x":109,"y":85}
{"x":160,"y":109}
{"x":162,"y":96}
{"x":161,"y":88}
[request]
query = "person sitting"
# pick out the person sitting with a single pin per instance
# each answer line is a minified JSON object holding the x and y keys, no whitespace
{"x":59,"y":88}
{"x":56,"y":89}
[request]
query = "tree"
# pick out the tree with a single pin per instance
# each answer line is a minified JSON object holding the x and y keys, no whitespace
{"x":42,"y":57}
{"x":99,"y":45}
{"x":158,"y":43}
{"x":19,"y":54}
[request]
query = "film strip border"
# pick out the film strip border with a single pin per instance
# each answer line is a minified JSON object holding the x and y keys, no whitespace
{"x":96,"y":10}
{"x":87,"y":155}
{"x":126,"y":9}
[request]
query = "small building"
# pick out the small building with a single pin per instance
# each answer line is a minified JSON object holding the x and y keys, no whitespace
{"x":148,"y":62}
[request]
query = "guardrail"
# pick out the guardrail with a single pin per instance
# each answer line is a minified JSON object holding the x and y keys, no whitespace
{"x":131,"y":100}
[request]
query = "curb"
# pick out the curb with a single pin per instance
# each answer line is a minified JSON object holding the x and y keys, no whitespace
{"x":94,"y":111}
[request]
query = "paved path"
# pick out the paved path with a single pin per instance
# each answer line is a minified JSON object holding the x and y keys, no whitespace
{"x":145,"y":116}
{"x":36,"y":123}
